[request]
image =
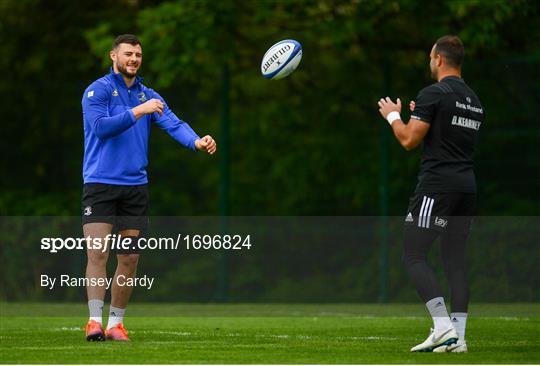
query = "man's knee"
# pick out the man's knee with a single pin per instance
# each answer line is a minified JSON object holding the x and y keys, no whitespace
{"x":128,"y":260}
{"x":98,"y":258}
{"x":410,"y":259}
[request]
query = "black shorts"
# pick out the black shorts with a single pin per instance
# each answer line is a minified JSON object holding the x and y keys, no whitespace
{"x":452,"y":211}
{"x":125,"y":207}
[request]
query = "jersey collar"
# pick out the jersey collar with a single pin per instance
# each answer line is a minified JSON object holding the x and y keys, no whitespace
{"x":452,"y":77}
{"x":117,"y":77}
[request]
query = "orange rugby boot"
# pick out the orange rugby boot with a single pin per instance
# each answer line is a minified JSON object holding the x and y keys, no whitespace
{"x":117,"y":333}
{"x":94,"y":331}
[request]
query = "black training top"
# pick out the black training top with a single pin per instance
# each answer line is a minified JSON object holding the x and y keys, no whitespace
{"x":455,"y":114}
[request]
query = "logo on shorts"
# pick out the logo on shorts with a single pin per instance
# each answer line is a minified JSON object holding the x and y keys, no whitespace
{"x":440,"y":222}
{"x":87,"y":210}
{"x":409,"y":218}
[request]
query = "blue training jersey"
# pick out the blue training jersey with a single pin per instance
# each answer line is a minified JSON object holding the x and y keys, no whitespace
{"x":115,"y":143}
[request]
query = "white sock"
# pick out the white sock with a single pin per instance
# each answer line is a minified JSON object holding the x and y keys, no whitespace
{"x":95,"y":308}
{"x":460,"y":322}
{"x":437,"y":309}
{"x":116,"y":316}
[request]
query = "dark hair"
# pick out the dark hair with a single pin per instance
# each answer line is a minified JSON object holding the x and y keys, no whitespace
{"x":126,"y":38}
{"x":451,"y":48}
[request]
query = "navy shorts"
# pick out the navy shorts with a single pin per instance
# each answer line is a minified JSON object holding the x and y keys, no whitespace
{"x":125,"y":207}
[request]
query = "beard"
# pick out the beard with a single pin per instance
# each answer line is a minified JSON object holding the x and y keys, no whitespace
{"x":123,"y":69}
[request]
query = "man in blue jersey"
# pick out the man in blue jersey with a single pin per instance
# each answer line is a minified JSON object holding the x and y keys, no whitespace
{"x":117,"y":112}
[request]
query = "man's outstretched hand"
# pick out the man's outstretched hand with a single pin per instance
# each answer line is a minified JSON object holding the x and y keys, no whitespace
{"x":207,"y":144}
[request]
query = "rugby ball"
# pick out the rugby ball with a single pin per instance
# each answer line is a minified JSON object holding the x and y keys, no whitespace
{"x":281,"y":59}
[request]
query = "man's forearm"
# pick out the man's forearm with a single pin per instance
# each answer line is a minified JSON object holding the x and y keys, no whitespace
{"x":403,"y":134}
{"x":184,"y":134}
{"x":409,"y":135}
{"x":106,"y":127}
{"x":138,"y":111}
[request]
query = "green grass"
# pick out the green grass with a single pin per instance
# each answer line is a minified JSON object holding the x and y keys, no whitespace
{"x":263,"y":333}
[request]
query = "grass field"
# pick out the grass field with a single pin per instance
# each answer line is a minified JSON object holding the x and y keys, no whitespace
{"x":265,"y":333}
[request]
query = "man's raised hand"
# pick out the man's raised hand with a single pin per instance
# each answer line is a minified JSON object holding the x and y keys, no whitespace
{"x":386,"y":106}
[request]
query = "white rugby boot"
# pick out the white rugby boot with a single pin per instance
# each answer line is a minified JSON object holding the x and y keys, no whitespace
{"x":458,"y":347}
{"x":437,"y":339}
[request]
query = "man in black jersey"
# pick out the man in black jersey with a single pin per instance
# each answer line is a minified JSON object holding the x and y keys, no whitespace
{"x":446,"y":117}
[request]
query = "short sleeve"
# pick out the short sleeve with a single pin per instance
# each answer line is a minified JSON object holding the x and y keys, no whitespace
{"x":426,"y":102}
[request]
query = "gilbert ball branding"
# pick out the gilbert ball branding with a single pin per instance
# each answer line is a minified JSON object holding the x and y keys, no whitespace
{"x":281,"y":59}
